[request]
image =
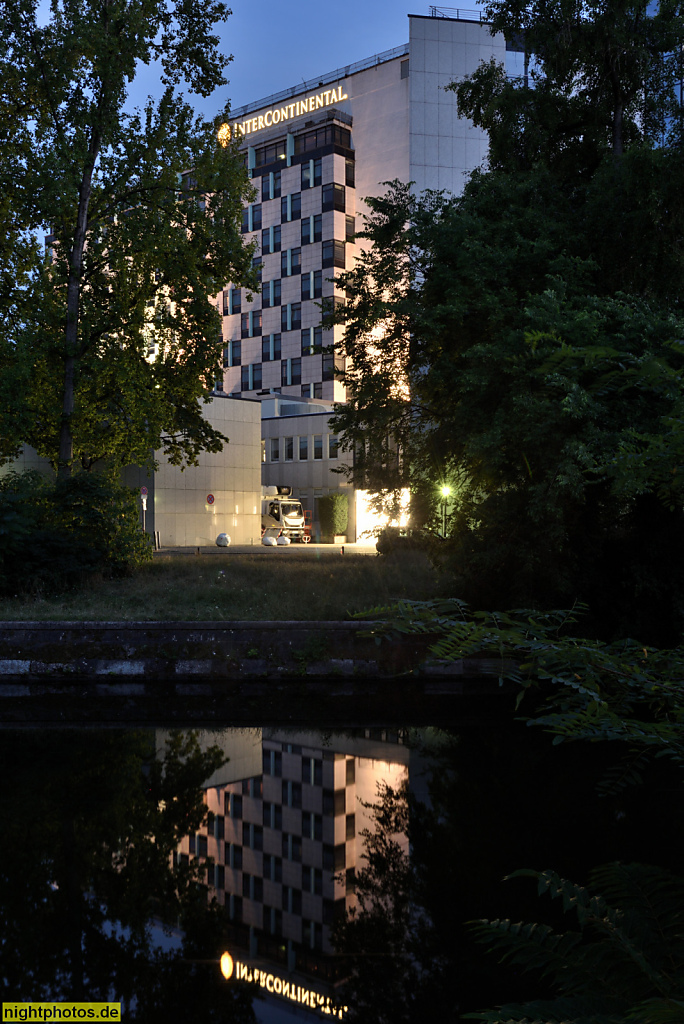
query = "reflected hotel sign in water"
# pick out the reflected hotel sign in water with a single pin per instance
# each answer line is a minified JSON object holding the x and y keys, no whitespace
{"x":278,"y":115}
{"x":278,"y":986}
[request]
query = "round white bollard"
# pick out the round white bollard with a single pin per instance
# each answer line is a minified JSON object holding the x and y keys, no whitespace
{"x":223,"y":540}
{"x":269,"y":542}
{"x":283,"y":541}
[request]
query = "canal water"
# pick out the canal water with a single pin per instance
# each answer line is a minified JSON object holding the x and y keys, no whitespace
{"x":278,"y":874}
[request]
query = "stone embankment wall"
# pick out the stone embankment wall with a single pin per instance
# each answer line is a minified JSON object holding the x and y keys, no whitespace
{"x":180,"y":670}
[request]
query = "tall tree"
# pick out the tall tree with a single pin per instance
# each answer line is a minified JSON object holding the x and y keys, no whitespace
{"x":116,"y":337}
{"x":522,"y":342}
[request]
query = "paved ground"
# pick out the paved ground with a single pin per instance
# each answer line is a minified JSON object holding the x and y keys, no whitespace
{"x":283,"y":551}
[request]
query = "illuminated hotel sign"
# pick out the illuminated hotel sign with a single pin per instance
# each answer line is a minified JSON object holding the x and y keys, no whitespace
{"x":280,"y":987}
{"x":278,"y":115}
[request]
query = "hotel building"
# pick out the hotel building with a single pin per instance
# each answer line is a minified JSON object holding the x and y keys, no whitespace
{"x":314,"y":152}
{"x":286,"y":838}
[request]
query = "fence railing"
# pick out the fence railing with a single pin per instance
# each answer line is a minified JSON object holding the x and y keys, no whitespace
{"x":457,"y":13}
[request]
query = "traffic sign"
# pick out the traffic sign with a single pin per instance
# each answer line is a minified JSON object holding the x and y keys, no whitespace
{"x":210,"y":499}
{"x":143,"y":491}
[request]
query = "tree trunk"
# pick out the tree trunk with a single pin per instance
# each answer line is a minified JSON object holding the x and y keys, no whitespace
{"x":71,"y":353}
{"x":617,"y":127}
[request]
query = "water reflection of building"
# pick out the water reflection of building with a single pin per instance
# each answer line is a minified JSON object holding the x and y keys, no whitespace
{"x":285,"y":840}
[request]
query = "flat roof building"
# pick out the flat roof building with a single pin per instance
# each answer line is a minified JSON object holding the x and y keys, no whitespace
{"x":314,"y":153}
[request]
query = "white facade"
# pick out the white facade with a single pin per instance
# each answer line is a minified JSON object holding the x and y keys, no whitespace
{"x":179,"y":508}
{"x":314,"y":152}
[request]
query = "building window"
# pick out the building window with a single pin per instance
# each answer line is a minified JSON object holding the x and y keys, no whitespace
{"x":250,"y":324}
{"x":270,"y":186}
{"x":318,"y":390}
{"x":334,"y":857}
{"x":253,"y":836}
{"x":350,"y":227}
{"x":312,"y":285}
{"x":202,"y":847}
{"x":292,"y":900}
{"x":273,"y":868}
{"x":233,"y":805}
{"x":292,"y":848}
{"x":252,"y":787}
{"x":292,"y":791}
{"x":404,"y":68}
{"x":291,"y":207}
{"x":312,"y":771}
{"x":235,"y":908}
{"x":312,"y":229}
{"x":303,"y":449}
{"x":329,"y":367}
{"x":288,"y":452}
{"x":318,"y":446}
{"x":330,"y":135}
{"x":312,"y":340}
{"x":251,"y":218}
{"x":312,"y":935}
{"x":270,"y":240}
{"x":270,"y":294}
{"x":251,"y":377}
{"x":290,"y":262}
{"x":333,"y":197}
{"x":232,"y":301}
{"x":291,"y":317}
{"x":350,"y":826}
{"x":275,"y":453}
{"x":312,"y":881}
{"x":270,"y":348}
{"x":273,"y":921}
{"x":273,"y":816}
{"x":273,"y":763}
{"x":232,"y":854}
{"x":349,"y":173}
{"x":257,"y":265}
{"x":253,"y":888}
{"x":291,"y":372}
{"x":312,"y":826}
{"x":232,"y":353}
{"x":269,"y":154}
{"x":311,"y":174}
{"x":333,"y":254}
{"x":333,"y":448}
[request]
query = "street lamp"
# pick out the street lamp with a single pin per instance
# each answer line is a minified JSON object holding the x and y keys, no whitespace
{"x":446,"y":491}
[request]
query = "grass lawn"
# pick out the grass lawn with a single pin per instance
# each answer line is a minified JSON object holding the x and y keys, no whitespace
{"x":241,"y":587}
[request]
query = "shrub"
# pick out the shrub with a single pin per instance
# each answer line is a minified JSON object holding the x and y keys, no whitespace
{"x":57,"y":534}
{"x":333,"y":511}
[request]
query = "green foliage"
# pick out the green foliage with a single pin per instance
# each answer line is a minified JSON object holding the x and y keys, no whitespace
{"x":92,"y":820}
{"x":626,"y":962}
{"x":395,"y":975}
{"x":524,"y":340}
{"x":58,"y":534}
{"x":527,"y":385}
{"x":333,"y":510}
{"x":115,"y":342}
{"x":582,"y":689}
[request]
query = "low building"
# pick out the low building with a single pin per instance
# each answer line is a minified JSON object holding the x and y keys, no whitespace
{"x":190,"y":507}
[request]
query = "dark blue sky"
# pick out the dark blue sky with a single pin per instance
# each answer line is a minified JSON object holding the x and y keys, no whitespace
{"x":277,"y":44}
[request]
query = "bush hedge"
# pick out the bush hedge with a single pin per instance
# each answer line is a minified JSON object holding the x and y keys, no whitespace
{"x":57,"y":534}
{"x":333,"y":513}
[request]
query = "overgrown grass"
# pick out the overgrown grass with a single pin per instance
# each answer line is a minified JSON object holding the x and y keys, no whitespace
{"x":241,"y":587}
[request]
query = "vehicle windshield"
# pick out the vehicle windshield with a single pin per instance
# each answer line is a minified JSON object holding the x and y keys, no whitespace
{"x":292,"y":508}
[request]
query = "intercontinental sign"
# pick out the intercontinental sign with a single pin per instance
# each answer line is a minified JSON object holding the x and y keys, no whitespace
{"x":278,"y":986}
{"x":278,"y":115}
